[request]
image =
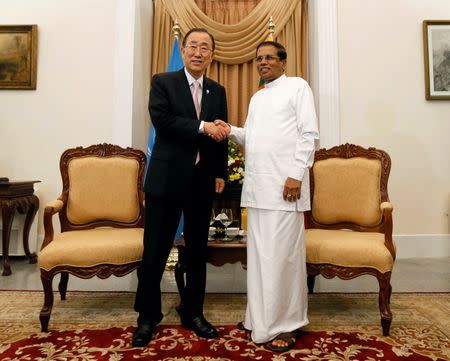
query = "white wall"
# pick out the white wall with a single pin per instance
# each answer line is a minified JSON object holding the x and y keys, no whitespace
{"x":85,"y":87}
{"x":382,"y":104}
{"x":72,"y":104}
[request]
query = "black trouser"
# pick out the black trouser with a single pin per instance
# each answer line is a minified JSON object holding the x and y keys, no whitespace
{"x":161,"y":221}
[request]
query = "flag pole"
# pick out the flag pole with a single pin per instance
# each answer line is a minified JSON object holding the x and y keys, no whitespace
{"x":271,"y":29}
{"x":176,"y":29}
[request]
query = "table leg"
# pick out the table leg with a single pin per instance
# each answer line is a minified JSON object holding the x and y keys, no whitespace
{"x":8,"y":210}
{"x":32,"y":209}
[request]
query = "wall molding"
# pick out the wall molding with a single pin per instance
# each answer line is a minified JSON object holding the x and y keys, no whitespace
{"x":422,"y":245}
{"x":323,"y":69}
{"x":122,"y":122}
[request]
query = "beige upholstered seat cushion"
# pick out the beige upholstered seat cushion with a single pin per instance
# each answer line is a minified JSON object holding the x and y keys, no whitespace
{"x":348,"y":249}
{"x":347,"y":190}
{"x":92,"y":247}
{"x":103,"y":189}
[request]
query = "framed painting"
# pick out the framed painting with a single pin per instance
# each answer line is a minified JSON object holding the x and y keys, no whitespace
{"x":436,"y":43}
{"x":18,"y":56}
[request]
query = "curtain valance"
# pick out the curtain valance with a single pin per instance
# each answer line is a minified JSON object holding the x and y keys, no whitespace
{"x":235,"y":43}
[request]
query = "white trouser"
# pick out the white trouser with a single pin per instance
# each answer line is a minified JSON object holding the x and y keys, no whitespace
{"x":276,"y":273}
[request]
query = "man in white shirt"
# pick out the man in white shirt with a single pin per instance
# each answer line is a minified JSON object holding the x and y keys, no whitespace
{"x":279,"y":137}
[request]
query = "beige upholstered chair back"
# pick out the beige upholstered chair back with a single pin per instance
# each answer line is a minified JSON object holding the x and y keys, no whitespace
{"x":103,"y":189}
{"x":102,"y":185}
{"x":347,"y":190}
{"x":348,"y":184}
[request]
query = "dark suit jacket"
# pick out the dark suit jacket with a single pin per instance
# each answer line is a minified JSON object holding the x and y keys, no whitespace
{"x":173,"y":115}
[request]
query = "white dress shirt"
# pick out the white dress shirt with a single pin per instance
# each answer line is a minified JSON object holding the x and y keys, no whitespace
{"x":279,"y":137}
{"x":191,"y":81}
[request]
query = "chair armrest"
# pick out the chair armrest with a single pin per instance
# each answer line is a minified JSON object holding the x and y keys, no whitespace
{"x":51,"y":208}
{"x":386,"y":205}
{"x":54,"y":206}
{"x":386,"y":210}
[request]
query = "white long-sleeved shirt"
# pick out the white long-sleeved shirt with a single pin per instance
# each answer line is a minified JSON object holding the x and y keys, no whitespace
{"x":279,"y":136}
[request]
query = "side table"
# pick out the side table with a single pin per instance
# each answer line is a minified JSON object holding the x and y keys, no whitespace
{"x":17,"y":196}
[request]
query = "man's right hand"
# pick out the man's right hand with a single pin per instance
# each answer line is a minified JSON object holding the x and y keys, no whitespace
{"x":214,"y":131}
{"x":225,"y":126}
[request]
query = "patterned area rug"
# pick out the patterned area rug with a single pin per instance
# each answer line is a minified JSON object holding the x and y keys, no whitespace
{"x":99,"y":326}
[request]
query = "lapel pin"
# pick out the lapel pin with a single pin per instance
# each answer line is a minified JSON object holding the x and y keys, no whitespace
{"x":207,"y":91}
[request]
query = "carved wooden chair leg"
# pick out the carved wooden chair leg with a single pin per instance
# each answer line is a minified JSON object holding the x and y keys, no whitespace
{"x":310,"y":282}
{"x":44,"y":316}
{"x":383,"y":301}
{"x":62,"y":286}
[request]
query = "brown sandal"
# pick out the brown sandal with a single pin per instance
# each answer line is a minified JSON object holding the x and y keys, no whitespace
{"x":289,"y":337}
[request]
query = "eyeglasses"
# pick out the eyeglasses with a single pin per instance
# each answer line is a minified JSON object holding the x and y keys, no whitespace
{"x":193,"y":49}
{"x":261,"y":58}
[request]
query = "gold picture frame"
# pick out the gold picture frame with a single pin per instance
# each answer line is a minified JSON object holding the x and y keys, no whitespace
{"x":436,"y":44}
{"x":18,"y":56}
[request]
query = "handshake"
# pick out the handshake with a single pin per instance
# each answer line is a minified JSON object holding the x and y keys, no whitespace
{"x":217,"y":130}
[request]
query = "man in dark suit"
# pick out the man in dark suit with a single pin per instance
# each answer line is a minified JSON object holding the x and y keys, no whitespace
{"x":188,"y":164}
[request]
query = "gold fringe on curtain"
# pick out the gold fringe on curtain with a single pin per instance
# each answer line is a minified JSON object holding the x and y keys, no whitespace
{"x":238,"y":27}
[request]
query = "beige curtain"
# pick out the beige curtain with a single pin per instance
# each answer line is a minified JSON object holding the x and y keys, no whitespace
{"x":238,"y":27}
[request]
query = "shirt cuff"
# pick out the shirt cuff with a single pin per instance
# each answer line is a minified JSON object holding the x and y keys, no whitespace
{"x":200,"y":128}
{"x":297,"y":173}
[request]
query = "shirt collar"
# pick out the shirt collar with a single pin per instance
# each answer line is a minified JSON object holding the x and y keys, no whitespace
{"x":275,"y":82}
{"x":191,"y":79}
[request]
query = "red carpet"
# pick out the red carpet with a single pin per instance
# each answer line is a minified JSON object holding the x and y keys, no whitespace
{"x":176,"y":343}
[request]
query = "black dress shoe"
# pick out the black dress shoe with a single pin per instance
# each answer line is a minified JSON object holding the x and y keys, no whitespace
{"x":203,"y":328}
{"x":200,"y":326}
{"x":142,"y":335}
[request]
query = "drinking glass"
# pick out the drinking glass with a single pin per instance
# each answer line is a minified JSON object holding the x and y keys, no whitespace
{"x":226,"y":218}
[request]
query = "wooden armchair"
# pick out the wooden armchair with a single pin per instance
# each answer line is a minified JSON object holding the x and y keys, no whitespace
{"x":101,"y":211}
{"x":350,"y":222}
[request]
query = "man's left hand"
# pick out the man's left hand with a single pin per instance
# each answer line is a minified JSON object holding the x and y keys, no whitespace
{"x":220,"y":185}
{"x":291,"y":191}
